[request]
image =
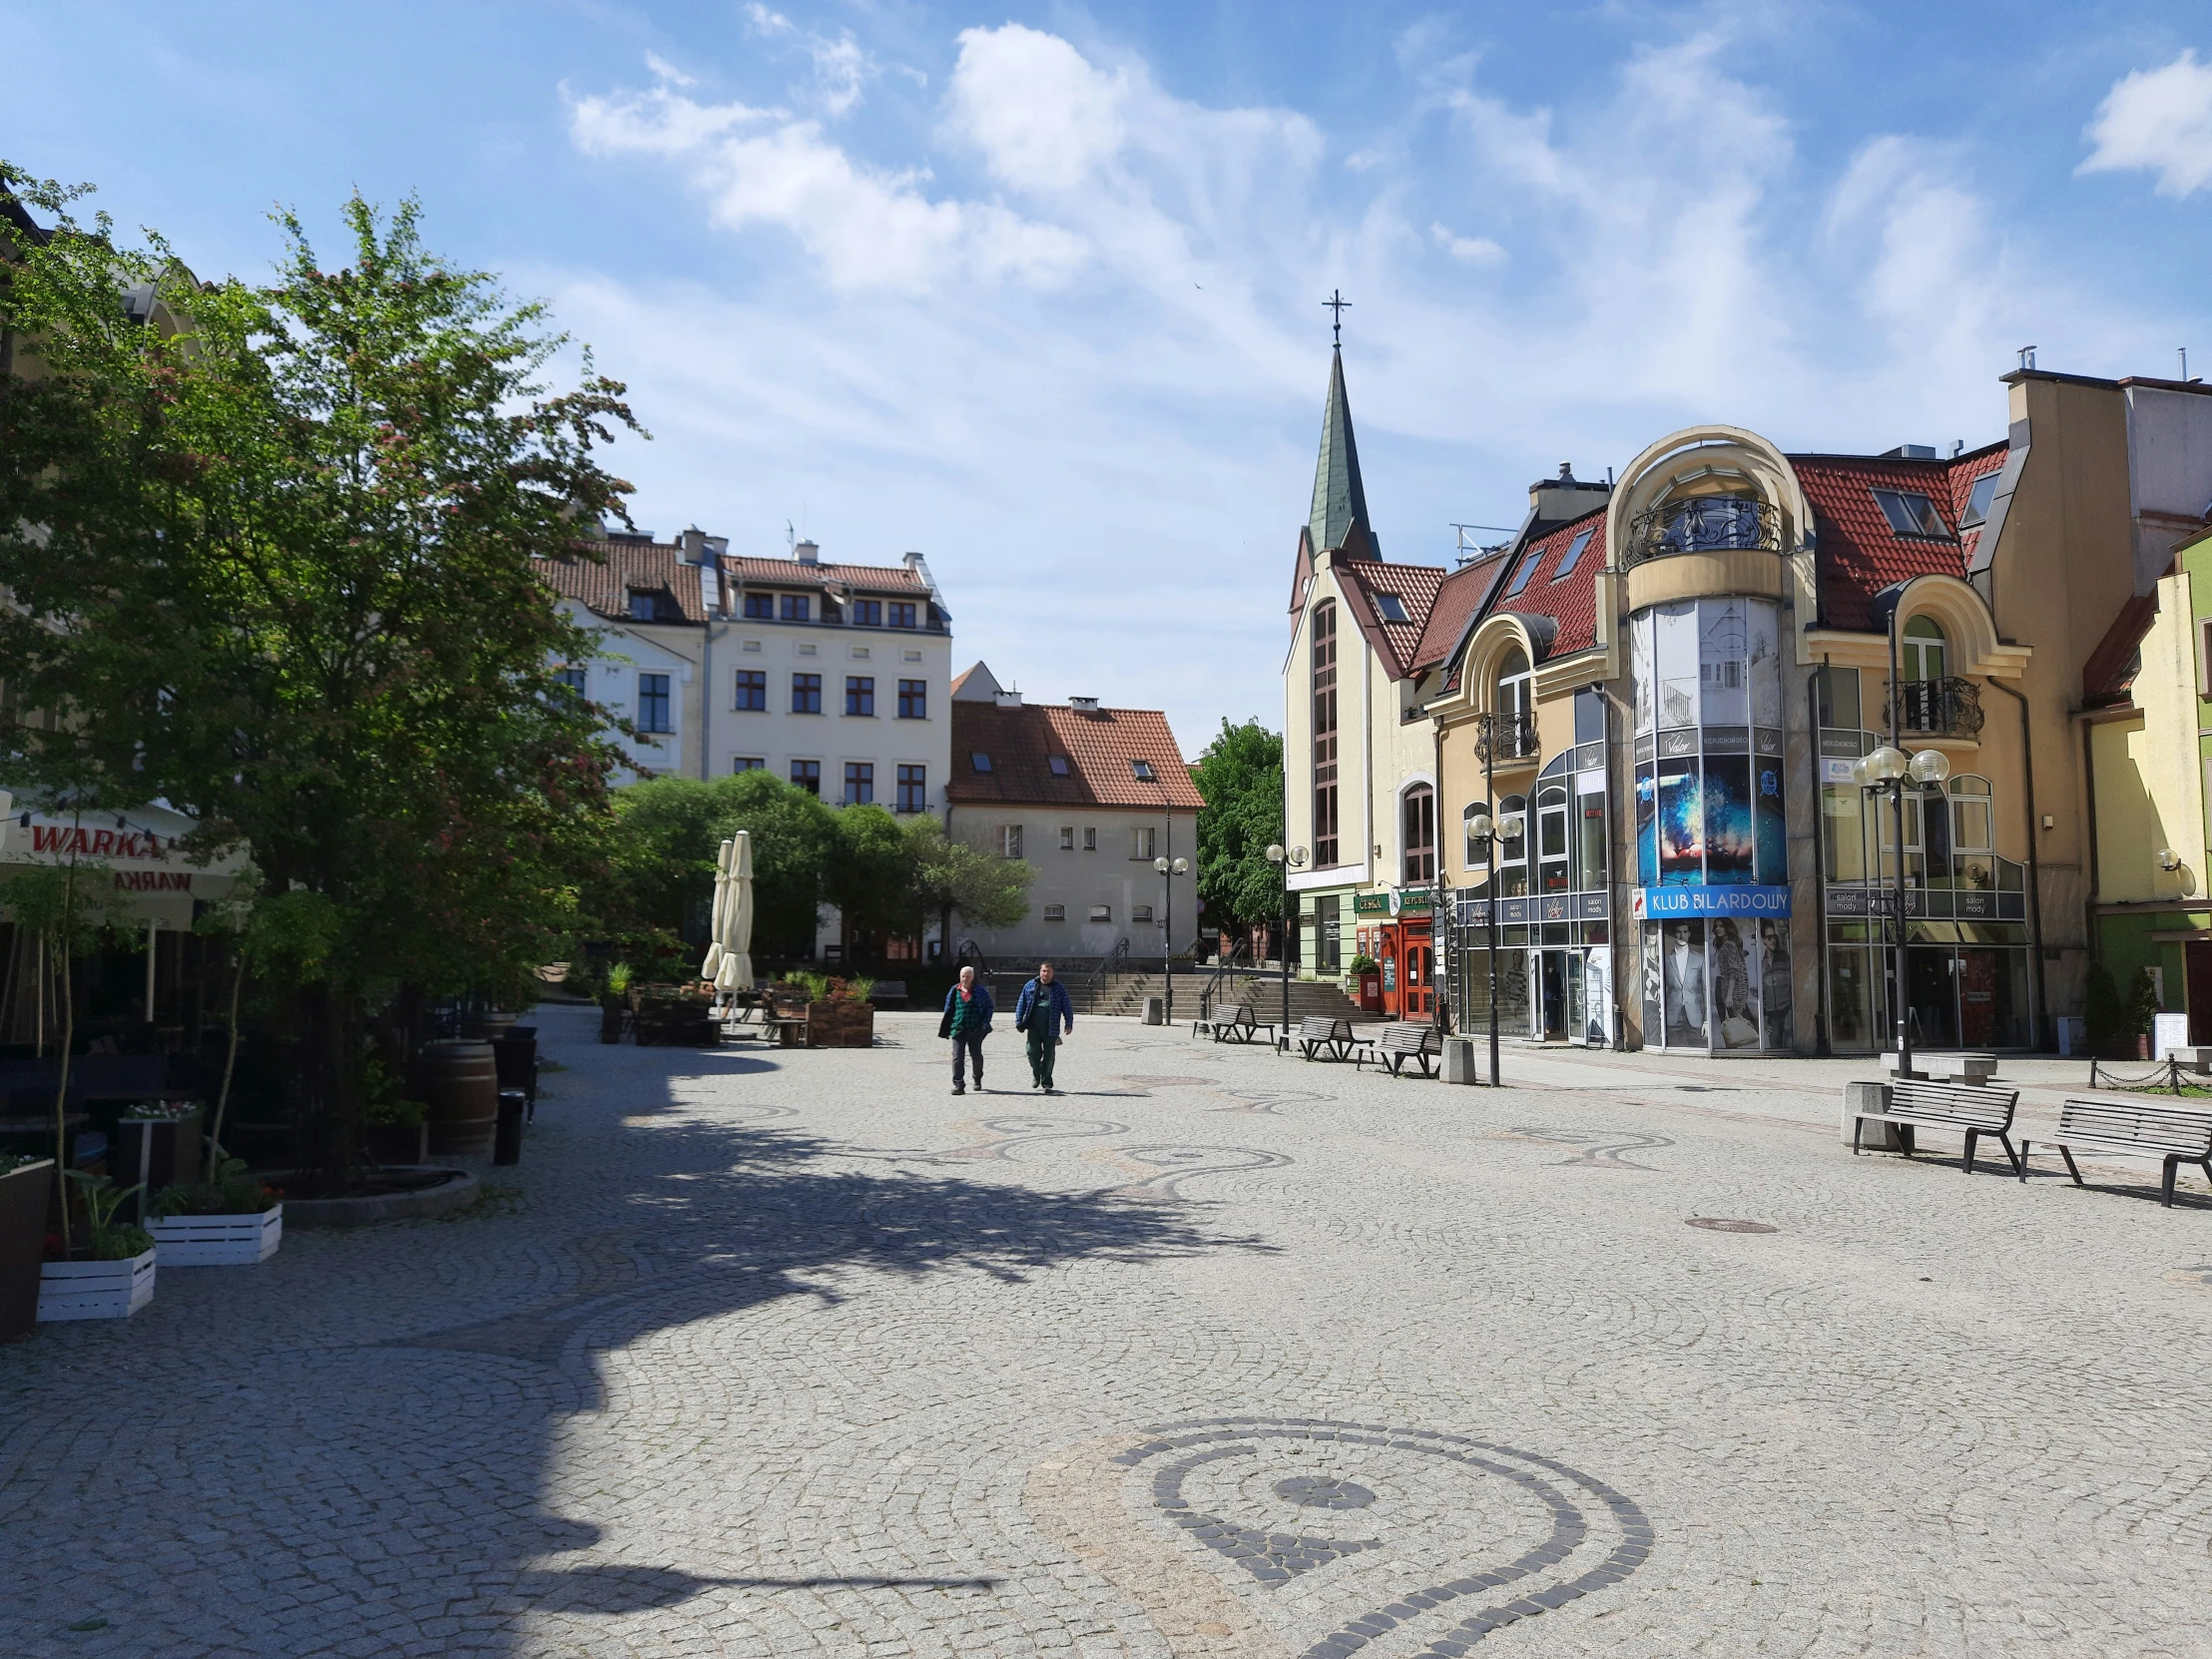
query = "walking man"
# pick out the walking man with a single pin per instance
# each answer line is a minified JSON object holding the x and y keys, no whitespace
{"x":1044,"y":1013}
{"x":968,"y":1022}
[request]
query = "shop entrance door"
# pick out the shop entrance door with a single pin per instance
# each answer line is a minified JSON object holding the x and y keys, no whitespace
{"x":1410,"y":965}
{"x":1933,"y":1006}
{"x":1551,"y":1009}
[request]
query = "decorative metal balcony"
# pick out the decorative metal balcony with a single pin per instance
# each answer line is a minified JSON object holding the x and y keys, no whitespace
{"x":1950,"y":708}
{"x":1703,"y":524}
{"x":1511,"y":736}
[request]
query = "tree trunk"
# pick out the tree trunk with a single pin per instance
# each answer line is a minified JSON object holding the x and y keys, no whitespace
{"x":326,"y":1072}
{"x":231,"y":1057}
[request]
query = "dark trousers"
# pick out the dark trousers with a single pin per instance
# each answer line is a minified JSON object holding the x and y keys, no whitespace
{"x":1044,"y":1043}
{"x":964,"y":1044}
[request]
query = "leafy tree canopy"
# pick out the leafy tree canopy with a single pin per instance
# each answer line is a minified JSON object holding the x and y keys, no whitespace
{"x":1241,"y":776}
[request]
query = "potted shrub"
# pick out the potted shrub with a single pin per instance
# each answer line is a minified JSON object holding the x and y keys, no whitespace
{"x":25,"y":1188}
{"x":399,"y":1128}
{"x":615,"y":1003}
{"x":229,"y":1220}
{"x":109,"y":1279}
{"x":839,"y":1013}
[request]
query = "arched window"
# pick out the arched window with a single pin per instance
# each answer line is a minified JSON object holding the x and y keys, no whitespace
{"x":1474,"y":853}
{"x":1922,"y":650}
{"x":1418,"y":815}
{"x":1516,"y":707}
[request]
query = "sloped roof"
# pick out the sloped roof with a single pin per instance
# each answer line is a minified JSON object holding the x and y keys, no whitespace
{"x":1415,"y":586}
{"x":976,"y":683}
{"x":790,"y":573}
{"x":1569,"y":605}
{"x":1857,"y":554}
{"x":1100,"y":748}
{"x":1339,"y":498}
{"x":603,"y":574}
{"x":1458,"y":598}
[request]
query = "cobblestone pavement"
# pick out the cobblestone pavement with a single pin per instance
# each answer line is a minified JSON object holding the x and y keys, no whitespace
{"x":1218,"y":1354}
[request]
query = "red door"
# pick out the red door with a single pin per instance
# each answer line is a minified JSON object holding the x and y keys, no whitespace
{"x":1416,"y":963}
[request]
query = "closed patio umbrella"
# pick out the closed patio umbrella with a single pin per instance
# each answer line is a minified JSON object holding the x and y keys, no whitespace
{"x":717,"y":923}
{"x":736,"y":969}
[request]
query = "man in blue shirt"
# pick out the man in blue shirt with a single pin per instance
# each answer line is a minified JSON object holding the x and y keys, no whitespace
{"x":1044,"y":1013}
{"x":968,"y":1022}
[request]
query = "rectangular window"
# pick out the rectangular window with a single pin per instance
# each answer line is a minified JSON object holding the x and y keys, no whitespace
{"x":1102,"y":912}
{"x":981,"y":762}
{"x":1009,"y":841}
{"x":760,"y":606}
{"x":805,"y":694}
{"x":914,"y":700}
{"x":752,"y":688}
{"x":806,"y":775}
{"x":1090,"y":841}
{"x":867,"y":613}
{"x":795,"y":606}
{"x":1984,"y":491}
{"x":1329,"y":954}
{"x":1910,"y":513}
{"x":1055,"y":913}
{"x":572,"y":677}
{"x":1530,"y":561}
{"x":1058,"y":764}
{"x":859,"y":783}
{"x":2204,"y":658}
{"x":1067,"y":837}
{"x":913,"y":788}
{"x":902,"y":616}
{"x":644,"y":607}
{"x":1574,"y":555}
{"x":653,"y":710}
{"x":1419,"y":836}
{"x":1836,"y":698}
{"x":1390,"y":607}
{"x":749,"y":762}
{"x":1141,"y":842}
{"x":1140,"y":912}
{"x":1142,"y":770}
{"x":1589,"y":716}
{"x":1324,"y":731}
{"x":1843,"y":833}
{"x":860,"y":694}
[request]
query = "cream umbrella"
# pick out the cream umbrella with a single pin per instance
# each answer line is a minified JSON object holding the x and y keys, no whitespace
{"x":714,"y":925}
{"x":736,"y":969}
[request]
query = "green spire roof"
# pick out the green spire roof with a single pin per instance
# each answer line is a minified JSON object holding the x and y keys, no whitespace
{"x":1339,"y":499}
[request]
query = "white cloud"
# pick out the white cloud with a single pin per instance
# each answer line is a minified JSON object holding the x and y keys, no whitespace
{"x":2159,"y":121}
{"x":842,"y":69}
{"x":666,"y":70}
{"x":1475,"y":251}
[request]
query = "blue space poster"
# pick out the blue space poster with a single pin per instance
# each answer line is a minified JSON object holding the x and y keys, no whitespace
{"x":1774,"y":847}
{"x":1647,"y":827}
{"x":1727,"y":841}
{"x":1681,"y":826}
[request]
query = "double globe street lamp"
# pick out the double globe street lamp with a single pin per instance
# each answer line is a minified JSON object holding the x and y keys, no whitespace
{"x":1485,"y":830}
{"x":1168,"y":869}
{"x":1890,"y":768}
{"x":1285,"y":860}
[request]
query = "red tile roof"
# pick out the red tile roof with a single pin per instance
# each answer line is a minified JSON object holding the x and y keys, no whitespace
{"x":1100,"y":748}
{"x":790,"y":573}
{"x":1458,"y":598}
{"x":602,"y":575}
{"x":1416,"y":587}
{"x":1571,"y":604}
{"x":1857,"y":554}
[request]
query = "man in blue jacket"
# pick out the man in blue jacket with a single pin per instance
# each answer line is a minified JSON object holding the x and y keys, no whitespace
{"x":1044,"y":1013}
{"x":968,"y":1022}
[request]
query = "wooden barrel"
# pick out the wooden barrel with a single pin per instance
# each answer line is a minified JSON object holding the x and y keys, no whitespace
{"x":460,"y":1080}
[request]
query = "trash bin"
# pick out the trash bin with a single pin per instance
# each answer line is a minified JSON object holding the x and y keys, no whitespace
{"x":506,"y":1144}
{"x":1155,"y":1010}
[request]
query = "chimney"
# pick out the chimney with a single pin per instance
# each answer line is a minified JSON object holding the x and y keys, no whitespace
{"x":1556,"y":500}
{"x":1008,"y":699}
{"x":1084,"y":705}
{"x":1908,"y":452}
{"x":689,"y":544}
{"x":806,"y":553}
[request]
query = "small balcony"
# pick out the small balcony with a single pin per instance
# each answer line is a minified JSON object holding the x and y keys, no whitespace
{"x":1507,"y":737}
{"x":1946,"y":707}
{"x":1703,"y":524}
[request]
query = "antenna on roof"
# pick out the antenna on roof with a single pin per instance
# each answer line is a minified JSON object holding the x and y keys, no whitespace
{"x":2184,"y":351}
{"x":791,"y":538}
{"x":2027,"y":356}
{"x":1465,"y":552}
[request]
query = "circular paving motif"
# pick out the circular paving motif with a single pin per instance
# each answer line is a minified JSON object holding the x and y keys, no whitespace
{"x":1440,"y":1538}
{"x":1724,"y":1224}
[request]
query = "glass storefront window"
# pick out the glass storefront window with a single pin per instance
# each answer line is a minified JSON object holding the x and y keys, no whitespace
{"x":1590,"y":859}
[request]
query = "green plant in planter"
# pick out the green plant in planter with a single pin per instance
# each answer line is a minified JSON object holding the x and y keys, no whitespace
{"x":403,"y":1114}
{"x":860,"y":988}
{"x":1364,"y":964}
{"x":227,"y":1191}
{"x":159,"y":1111}
{"x":618,"y":979}
{"x":112,"y":1240}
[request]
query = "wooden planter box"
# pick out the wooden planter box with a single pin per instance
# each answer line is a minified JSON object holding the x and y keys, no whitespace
{"x":24,"y":1195}
{"x":217,"y":1240}
{"x":841,"y":1024}
{"x":96,"y":1289}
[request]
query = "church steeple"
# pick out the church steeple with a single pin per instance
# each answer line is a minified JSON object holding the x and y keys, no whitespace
{"x":1339,"y":499}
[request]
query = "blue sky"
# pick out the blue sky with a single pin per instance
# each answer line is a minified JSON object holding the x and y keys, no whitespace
{"x":1036,"y":290}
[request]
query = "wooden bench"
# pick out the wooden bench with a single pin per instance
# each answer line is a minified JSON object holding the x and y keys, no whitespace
{"x":889,"y":993}
{"x":1974,"y":1109}
{"x":2131,"y":1129}
{"x":1410,"y":1040}
{"x":1316,"y":1032}
{"x":1234,"y":1020}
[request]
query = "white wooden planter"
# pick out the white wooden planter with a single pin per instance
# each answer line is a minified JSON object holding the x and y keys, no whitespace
{"x":96,"y":1289}
{"x":218,"y":1241}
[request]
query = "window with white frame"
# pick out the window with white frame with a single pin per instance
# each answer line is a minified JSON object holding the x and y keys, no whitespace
{"x":1009,"y":841}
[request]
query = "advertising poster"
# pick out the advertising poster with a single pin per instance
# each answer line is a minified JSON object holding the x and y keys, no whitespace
{"x":1728,"y":828}
{"x":1773,"y":829}
{"x":1774,"y":982}
{"x":1721,"y":643}
{"x":1655,"y":1019}
{"x":1764,"y":662}
{"x":1647,"y":826}
{"x":1735,"y":998}
{"x":1682,"y":981}
{"x":1681,"y":826}
{"x":1675,"y":650}
{"x":1639,"y":670}
{"x":1597,"y":998}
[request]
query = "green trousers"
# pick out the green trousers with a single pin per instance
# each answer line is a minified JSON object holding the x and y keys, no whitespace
{"x":1045,"y":1042}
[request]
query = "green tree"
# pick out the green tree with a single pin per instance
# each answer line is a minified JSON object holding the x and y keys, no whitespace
{"x":870,"y":875}
{"x":1241,"y":776}
{"x":670,"y":829}
{"x":272,"y":563}
{"x":952,"y":876}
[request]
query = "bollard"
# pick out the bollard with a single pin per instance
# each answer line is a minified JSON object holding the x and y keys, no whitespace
{"x":1460,"y":1060}
{"x":506,"y":1144}
{"x":1155,"y":1010}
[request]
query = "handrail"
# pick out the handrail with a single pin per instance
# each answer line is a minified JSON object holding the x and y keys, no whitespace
{"x":1223,"y":969}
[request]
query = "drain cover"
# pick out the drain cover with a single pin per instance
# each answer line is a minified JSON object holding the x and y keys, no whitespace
{"x":1725,"y":1223}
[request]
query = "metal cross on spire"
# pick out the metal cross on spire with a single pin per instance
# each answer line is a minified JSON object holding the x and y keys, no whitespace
{"x":1338,"y":304}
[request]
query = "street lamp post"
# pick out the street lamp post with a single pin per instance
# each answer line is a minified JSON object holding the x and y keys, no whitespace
{"x":1285,"y":860}
{"x":1887,"y":770}
{"x":1168,"y":870}
{"x":1488,"y":733}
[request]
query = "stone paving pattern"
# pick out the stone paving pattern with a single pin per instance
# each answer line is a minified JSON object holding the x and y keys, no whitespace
{"x":773,"y":1353}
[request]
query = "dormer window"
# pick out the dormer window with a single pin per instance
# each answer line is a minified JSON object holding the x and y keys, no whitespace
{"x":1910,"y":513}
{"x":1390,"y":607}
{"x":980,"y":760}
{"x":1574,"y":555}
{"x":1059,"y":765}
{"x":795,"y":606}
{"x":1142,"y":770}
{"x":644,"y":607}
{"x":1978,"y":499}
{"x":1530,"y":562}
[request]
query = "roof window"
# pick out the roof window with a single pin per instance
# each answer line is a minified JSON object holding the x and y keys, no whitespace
{"x":1530,"y":562}
{"x":1059,"y":765}
{"x":1142,"y":770}
{"x":1978,"y":499}
{"x":1390,"y":607}
{"x":980,"y":760}
{"x":1910,"y":513}
{"x":1574,"y":555}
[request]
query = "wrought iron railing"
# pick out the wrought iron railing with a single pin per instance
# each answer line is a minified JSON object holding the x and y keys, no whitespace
{"x":1505,"y":737}
{"x":1703,"y":524}
{"x":1224,"y":969}
{"x":1950,"y":708}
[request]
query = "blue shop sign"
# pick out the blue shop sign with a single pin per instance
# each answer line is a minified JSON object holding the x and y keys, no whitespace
{"x":1664,"y":904}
